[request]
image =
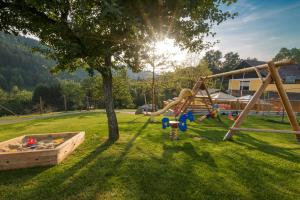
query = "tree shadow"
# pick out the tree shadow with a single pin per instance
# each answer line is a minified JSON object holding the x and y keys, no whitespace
{"x":211,"y":135}
{"x":95,"y":168}
{"x":188,"y":149}
{"x":20,"y":175}
{"x":256,"y":174}
{"x":253,"y":143}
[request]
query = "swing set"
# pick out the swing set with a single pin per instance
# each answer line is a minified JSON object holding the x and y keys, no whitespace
{"x":184,"y":100}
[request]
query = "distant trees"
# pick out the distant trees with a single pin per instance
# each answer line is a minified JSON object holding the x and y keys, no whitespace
{"x":73,"y":94}
{"x":19,"y":66}
{"x":231,"y":61}
{"x":51,"y":97}
{"x":218,"y":63}
{"x":17,"y":101}
{"x":121,"y":87}
{"x":170,"y":83}
{"x":292,"y":53}
{"x":213,"y":59}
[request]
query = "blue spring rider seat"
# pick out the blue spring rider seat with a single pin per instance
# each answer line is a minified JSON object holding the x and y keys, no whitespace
{"x":182,"y":125}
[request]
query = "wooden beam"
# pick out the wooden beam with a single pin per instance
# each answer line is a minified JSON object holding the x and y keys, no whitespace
{"x":284,"y":98}
{"x":250,"y":69}
{"x":246,"y":110}
{"x":259,"y":74}
{"x":206,"y":90}
{"x":188,"y":100}
{"x":266,"y":130}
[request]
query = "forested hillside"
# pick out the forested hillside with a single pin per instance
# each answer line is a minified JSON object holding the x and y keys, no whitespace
{"x":19,"y":66}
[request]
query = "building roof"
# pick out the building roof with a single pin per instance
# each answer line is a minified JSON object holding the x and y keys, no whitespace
{"x":286,"y":71}
{"x":249,"y":63}
{"x":219,"y":96}
{"x":290,"y":70}
{"x":210,"y":90}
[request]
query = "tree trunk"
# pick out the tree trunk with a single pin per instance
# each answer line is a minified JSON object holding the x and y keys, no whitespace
{"x":153,"y":89}
{"x":106,"y":73}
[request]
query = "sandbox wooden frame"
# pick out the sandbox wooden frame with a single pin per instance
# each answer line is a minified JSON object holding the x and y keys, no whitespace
{"x":43,"y":157}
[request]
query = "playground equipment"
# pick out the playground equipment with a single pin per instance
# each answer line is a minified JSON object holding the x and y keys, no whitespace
{"x":181,"y":124}
{"x":272,"y":76}
{"x":184,"y":94}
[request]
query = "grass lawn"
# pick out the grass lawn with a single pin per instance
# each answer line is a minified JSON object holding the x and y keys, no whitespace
{"x":145,"y":164}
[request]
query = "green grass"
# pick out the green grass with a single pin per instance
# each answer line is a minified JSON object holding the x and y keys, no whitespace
{"x":145,"y":164}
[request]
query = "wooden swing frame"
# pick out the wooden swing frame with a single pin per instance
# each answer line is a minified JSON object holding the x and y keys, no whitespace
{"x":272,"y":76}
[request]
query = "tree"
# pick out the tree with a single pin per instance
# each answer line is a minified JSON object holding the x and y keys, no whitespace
{"x":98,"y":34}
{"x":157,"y":61}
{"x":73,"y":94}
{"x":293,"y":53}
{"x":232,"y":60}
{"x":218,"y":63}
{"x":16,"y":101}
{"x":213,"y":59}
{"x":183,"y":77}
{"x":51,"y":96}
{"x":121,"y":88}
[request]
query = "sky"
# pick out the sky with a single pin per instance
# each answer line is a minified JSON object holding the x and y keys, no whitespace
{"x":261,"y":28}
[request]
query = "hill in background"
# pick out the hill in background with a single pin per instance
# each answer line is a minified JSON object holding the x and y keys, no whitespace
{"x":19,"y":66}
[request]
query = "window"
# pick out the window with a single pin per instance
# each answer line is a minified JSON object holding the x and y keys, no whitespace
{"x":244,"y":85}
{"x":290,"y":79}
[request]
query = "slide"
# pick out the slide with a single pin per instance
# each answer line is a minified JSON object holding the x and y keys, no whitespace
{"x":184,"y":93}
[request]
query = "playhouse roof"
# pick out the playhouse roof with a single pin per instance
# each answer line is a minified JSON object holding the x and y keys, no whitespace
{"x":210,"y":90}
{"x":223,"y":96}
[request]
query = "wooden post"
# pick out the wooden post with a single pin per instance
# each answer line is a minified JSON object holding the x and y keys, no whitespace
{"x":87,"y":103}
{"x":284,"y":98}
{"x":153,"y":89}
{"x":8,"y":110}
{"x":250,"y":104}
{"x":65,"y":102}
{"x":258,"y":74}
{"x":41,"y":105}
{"x":188,"y":100}
{"x":208,"y":95}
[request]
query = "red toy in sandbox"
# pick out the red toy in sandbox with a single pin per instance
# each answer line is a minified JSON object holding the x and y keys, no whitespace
{"x":31,"y":142}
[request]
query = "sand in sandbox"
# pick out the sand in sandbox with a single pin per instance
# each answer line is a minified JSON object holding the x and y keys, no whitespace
{"x":42,"y":143}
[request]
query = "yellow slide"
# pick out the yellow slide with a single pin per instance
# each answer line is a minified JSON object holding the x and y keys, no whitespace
{"x":184,"y":93}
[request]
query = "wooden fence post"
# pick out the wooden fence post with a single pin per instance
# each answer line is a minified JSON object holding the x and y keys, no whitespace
{"x":65,"y":102}
{"x":41,"y":105}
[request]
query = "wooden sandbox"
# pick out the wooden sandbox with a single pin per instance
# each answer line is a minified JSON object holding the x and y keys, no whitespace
{"x":50,"y":149}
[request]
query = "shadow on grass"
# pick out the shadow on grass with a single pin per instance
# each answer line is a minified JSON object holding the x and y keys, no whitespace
{"x":211,"y":135}
{"x":95,"y":168}
{"x":177,"y":171}
{"x":253,"y":143}
{"x":188,"y":149}
{"x":256,"y":174}
{"x":14,"y":177}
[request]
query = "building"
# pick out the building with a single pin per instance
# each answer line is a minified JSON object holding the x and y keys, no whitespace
{"x":248,"y":84}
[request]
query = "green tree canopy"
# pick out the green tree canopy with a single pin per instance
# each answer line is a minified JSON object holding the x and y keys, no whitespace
{"x":218,"y":63}
{"x":293,"y":53}
{"x":101,"y":34}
